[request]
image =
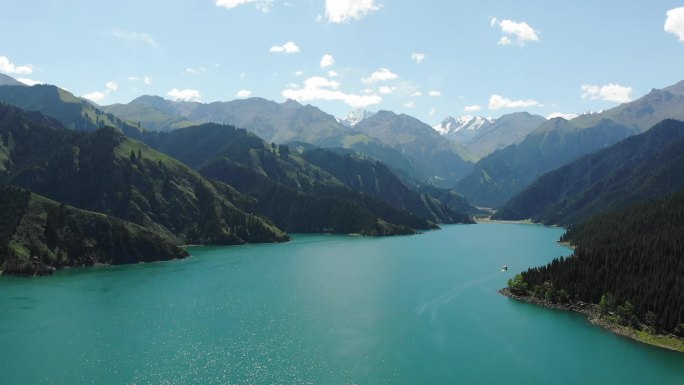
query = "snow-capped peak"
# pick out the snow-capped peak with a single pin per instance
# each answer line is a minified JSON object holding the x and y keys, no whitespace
{"x":591,"y":112}
{"x":355,"y":117}
{"x":566,"y":116}
{"x":451,"y":125}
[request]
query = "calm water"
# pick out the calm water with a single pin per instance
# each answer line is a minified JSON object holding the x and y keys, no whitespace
{"x":319,"y":310}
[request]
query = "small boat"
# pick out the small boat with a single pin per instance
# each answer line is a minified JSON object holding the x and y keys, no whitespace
{"x":504,"y":268}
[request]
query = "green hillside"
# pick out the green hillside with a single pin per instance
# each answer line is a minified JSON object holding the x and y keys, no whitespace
{"x":442,"y":161}
{"x":106,"y":172}
{"x":74,"y":113}
{"x":649,"y":165}
{"x":630,"y":261}
{"x":376,"y":179}
{"x":426,"y":155}
{"x":500,"y":176}
{"x":295,"y":193}
{"x":38,"y":235}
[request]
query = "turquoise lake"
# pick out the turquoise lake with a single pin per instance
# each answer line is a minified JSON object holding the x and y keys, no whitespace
{"x":321,"y":309}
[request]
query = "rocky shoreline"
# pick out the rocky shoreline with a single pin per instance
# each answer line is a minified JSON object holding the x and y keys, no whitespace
{"x":588,"y":309}
{"x":585,"y":308}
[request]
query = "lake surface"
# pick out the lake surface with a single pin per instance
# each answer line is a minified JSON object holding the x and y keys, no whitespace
{"x":319,"y":310}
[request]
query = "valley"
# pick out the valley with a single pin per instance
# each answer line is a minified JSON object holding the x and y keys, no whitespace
{"x":341,"y":192}
{"x":188,"y":181}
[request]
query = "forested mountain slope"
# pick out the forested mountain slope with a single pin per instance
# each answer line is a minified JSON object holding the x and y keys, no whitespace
{"x":295,"y":193}
{"x":630,"y":259}
{"x":649,"y":165}
{"x":38,"y":235}
{"x":74,"y":113}
{"x":501,"y":175}
{"x":106,"y":172}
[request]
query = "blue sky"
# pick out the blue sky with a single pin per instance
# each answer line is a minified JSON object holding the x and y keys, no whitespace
{"x":429,"y":58}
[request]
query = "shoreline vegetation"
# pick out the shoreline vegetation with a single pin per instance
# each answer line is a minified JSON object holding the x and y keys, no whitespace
{"x":569,"y":245}
{"x":627,"y":261}
{"x":594,"y":316}
{"x":36,"y":268}
{"x":489,"y":220}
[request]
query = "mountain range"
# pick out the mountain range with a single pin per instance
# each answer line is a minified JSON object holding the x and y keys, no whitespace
{"x":106,"y":172}
{"x":403,"y":143}
{"x":462,"y":128}
{"x":499,"y":176}
{"x":482,"y":136}
{"x":291,"y":189}
{"x":38,"y":235}
{"x":9,"y":81}
{"x":376,"y":173}
{"x":355,"y":117}
{"x":92,"y":166}
{"x":73,"y":112}
{"x":82,"y":184}
{"x":641,"y":167}
{"x":437,"y":159}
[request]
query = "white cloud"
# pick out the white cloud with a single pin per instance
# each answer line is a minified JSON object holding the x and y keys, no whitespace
{"x":332,"y":74}
{"x":497,"y":102}
{"x":8,"y":67}
{"x":195,"y":70}
{"x":554,"y":115}
{"x":432,"y":112}
{"x":343,"y":11}
{"x":96,"y":96}
{"x":367,"y":91}
{"x":140,"y":37}
{"x":518,"y":33}
{"x":244,"y":94}
{"x":472,"y":108}
{"x":380,"y":75}
{"x":417,"y":93}
{"x":505,"y":40}
{"x":674,"y":23}
{"x":230,"y":4}
{"x":386,"y":90}
{"x":418,"y":57}
{"x":320,"y":88}
{"x":30,"y":82}
{"x":362,"y":101}
{"x":435,"y":93}
{"x":609,"y":92}
{"x":327,"y":60}
{"x":319,"y":81}
{"x":185,"y":95}
{"x":262,"y":5}
{"x":112,"y":86}
{"x":289,"y":47}
{"x":298,"y":73}
{"x":410,"y":104}
{"x":146,"y":79}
